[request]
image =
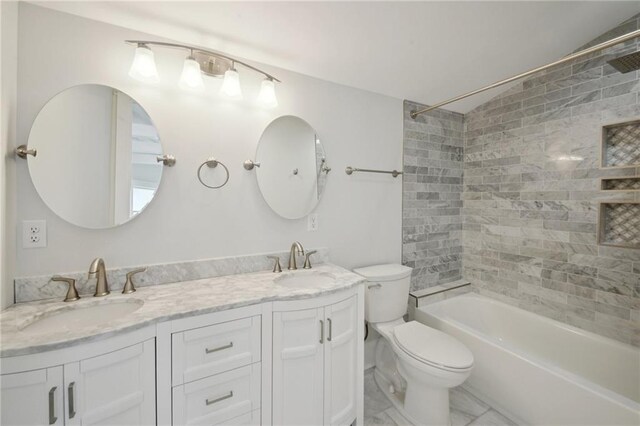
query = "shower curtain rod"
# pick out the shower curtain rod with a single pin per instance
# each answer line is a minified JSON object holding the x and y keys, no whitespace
{"x":571,"y":57}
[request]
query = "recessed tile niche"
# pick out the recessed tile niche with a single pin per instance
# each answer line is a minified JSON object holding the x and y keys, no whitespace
{"x":620,"y":184}
{"x":621,"y":144}
{"x":619,"y":224}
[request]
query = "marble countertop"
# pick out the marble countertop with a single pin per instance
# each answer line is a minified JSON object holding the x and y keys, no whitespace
{"x":160,"y":303}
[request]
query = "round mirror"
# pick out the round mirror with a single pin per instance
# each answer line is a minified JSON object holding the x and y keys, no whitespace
{"x":293,"y":167}
{"x":96,"y":164}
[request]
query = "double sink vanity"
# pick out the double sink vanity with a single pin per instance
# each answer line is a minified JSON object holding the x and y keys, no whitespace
{"x":255,"y":348}
{"x":238,"y":348}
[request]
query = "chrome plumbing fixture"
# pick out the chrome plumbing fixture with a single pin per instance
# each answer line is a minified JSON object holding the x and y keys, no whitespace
{"x":98,"y":270}
{"x":296,"y":246}
{"x":72,"y":293}
{"x":128,"y":285}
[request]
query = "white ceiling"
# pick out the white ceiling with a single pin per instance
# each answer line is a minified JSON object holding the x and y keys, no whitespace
{"x":422,"y":51}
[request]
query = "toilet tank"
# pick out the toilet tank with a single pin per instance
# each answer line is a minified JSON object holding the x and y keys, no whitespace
{"x":386,"y":291}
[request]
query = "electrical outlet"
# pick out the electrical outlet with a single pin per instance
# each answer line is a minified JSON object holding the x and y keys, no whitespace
{"x":312,"y":222}
{"x":34,"y":233}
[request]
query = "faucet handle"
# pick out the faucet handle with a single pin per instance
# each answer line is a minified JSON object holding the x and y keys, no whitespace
{"x":72,"y":293}
{"x":307,"y":262}
{"x":276,"y":266}
{"x":128,"y":285}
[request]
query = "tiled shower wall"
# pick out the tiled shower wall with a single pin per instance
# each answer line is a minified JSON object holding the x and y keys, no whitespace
{"x":432,"y":189}
{"x":531,"y":193}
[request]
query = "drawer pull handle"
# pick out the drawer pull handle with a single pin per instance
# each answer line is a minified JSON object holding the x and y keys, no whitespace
{"x":220,"y":348}
{"x":330,"y":330}
{"x":72,"y":403}
{"x":321,"y":331}
{"x":221,"y":398}
{"x":52,"y":405}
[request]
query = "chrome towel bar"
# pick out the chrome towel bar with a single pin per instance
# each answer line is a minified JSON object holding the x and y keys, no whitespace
{"x":349,"y":170}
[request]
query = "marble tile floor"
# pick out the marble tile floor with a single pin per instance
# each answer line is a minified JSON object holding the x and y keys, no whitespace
{"x":465,"y":408}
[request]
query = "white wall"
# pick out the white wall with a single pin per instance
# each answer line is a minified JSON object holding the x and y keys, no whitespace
{"x":359,"y":215}
{"x":8,"y":92}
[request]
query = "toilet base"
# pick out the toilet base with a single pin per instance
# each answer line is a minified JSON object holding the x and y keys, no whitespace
{"x":398,"y":400}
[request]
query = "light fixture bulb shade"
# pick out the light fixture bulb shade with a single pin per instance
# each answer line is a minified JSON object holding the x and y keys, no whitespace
{"x":267,"y":96}
{"x":191,"y":77}
{"x":143,"y":67}
{"x":231,"y":84}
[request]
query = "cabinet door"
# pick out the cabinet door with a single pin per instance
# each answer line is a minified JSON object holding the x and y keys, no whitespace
{"x":340,"y":362}
{"x":32,"y":397}
{"x":117,"y":388}
{"x":297,"y":367}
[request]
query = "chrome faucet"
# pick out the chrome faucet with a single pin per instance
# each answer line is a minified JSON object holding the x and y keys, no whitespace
{"x":292,"y":255}
{"x":97,"y":269}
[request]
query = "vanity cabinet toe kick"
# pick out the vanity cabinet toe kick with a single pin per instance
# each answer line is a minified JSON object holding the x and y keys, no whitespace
{"x":284,"y":362}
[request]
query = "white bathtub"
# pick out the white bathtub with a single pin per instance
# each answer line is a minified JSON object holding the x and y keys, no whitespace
{"x":540,"y":371}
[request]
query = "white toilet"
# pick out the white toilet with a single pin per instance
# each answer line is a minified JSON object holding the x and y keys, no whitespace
{"x":415,"y":364}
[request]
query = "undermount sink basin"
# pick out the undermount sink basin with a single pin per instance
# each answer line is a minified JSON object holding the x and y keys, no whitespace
{"x":81,"y":317}
{"x":304,"y":279}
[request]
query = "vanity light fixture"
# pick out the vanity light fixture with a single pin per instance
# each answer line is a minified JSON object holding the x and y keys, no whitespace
{"x":267,"y":96}
{"x":201,"y":61}
{"x":191,"y":77}
{"x":231,"y":84}
{"x":143,"y":67}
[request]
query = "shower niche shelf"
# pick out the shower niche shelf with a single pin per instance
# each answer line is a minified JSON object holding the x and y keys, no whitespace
{"x":631,"y":183}
{"x":619,"y":224}
{"x":621,"y":144}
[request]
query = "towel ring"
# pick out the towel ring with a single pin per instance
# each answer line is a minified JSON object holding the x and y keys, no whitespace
{"x":212,"y":163}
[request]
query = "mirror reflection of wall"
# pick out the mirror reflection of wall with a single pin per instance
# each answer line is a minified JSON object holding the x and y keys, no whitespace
{"x":146,"y":172}
{"x":96,"y":164}
{"x":291,"y":158}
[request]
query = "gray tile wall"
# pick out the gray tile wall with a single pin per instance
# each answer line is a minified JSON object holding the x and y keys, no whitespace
{"x":531,"y":193}
{"x":432,"y":189}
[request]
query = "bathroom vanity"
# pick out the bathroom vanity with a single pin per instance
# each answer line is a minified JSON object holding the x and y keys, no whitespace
{"x":259,"y":348}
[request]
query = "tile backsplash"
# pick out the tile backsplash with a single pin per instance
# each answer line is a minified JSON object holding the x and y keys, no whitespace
{"x":41,"y":287}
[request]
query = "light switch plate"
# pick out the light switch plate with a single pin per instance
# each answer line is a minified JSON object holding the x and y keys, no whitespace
{"x":34,"y":233}
{"x":312,"y":222}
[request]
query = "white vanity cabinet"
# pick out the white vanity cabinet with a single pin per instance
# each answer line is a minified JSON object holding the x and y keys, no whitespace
{"x":117,"y":388}
{"x":293,"y":362}
{"x":32,"y":397}
{"x":316,"y":368}
{"x":210,"y":369}
{"x":106,"y":383}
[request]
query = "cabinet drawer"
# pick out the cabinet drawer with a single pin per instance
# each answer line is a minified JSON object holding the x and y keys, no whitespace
{"x":249,"y":419}
{"x":206,"y":351}
{"x":219,"y":398}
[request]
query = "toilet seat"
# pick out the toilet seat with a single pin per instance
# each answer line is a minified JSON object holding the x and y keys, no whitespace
{"x":432,"y":347}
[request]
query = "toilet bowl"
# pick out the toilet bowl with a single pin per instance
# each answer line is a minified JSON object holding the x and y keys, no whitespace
{"x":415,"y":365}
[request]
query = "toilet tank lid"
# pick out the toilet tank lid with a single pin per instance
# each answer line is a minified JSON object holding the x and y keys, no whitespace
{"x":386,"y":272}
